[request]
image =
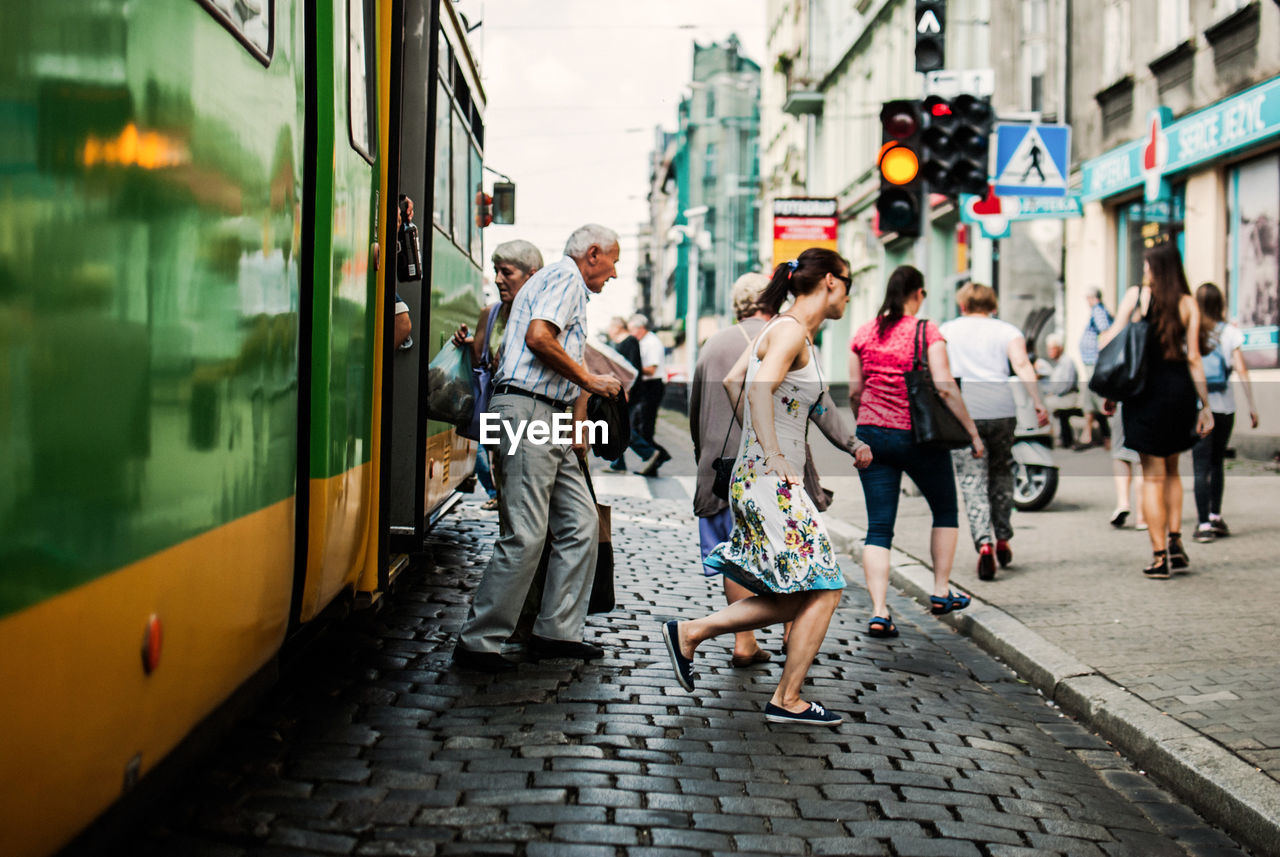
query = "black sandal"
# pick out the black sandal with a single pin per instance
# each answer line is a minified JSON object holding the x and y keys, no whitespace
{"x":1158,"y":570}
{"x":882,"y":626}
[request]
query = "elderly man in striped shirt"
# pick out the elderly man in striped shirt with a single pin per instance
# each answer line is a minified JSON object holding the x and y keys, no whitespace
{"x":541,"y":484}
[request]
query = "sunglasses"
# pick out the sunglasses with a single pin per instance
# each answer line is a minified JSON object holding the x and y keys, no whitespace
{"x":848,"y":281}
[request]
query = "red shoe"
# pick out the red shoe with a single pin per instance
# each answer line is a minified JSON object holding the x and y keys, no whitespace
{"x":986,"y":562}
{"x":1004,"y":553}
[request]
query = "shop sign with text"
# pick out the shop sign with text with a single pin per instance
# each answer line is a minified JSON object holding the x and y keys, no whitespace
{"x":1169,"y":147}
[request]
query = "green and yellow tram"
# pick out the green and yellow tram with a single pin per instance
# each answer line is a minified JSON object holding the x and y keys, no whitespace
{"x":206,"y":437}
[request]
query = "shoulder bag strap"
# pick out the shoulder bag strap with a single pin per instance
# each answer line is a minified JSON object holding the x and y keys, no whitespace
{"x":494,"y":309}
{"x":733,"y":417}
{"x":920,"y":358}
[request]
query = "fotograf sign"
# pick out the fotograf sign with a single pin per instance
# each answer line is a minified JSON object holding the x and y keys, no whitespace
{"x":801,"y":223}
{"x":1225,"y":127}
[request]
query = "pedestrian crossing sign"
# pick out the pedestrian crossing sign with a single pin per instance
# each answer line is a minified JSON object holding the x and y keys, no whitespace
{"x":1032,"y":160}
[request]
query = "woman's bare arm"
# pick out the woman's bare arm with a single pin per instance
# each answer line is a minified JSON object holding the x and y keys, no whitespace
{"x":1027,"y":374}
{"x":856,"y":382}
{"x":1242,"y":371}
{"x":1123,"y":313}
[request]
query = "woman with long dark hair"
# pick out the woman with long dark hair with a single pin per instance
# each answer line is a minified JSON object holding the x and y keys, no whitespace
{"x":779,"y":549}
{"x":1223,"y":343}
{"x":882,"y":350}
{"x":1162,"y":421}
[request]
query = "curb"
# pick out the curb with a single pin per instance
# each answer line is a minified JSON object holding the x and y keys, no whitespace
{"x":1219,"y":785}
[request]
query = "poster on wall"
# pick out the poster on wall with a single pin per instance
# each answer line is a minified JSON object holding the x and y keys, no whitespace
{"x":801,"y":223}
{"x":1255,"y":240}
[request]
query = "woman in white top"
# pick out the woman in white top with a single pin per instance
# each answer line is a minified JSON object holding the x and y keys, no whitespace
{"x":981,"y":350}
{"x":1223,"y":343}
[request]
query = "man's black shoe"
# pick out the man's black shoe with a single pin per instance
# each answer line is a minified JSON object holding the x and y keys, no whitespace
{"x":542,"y":647}
{"x":663,"y":455}
{"x":485,"y":662}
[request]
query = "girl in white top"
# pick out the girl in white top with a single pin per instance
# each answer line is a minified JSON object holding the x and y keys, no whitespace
{"x":981,"y":350}
{"x":1208,"y":453}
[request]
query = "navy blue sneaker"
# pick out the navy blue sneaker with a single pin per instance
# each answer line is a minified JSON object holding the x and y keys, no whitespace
{"x":683,"y":666}
{"x":814,"y":715}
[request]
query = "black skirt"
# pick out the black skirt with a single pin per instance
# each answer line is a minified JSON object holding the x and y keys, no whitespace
{"x":1161,"y":420}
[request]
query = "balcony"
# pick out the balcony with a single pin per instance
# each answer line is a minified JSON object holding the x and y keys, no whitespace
{"x":803,"y":98}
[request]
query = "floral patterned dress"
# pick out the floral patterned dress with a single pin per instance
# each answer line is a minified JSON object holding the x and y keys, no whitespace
{"x":778,"y":543}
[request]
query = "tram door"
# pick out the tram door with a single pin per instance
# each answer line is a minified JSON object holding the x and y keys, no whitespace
{"x":408,"y":442}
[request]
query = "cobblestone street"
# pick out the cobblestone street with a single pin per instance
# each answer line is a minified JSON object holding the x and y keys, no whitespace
{"x":372,"y":744}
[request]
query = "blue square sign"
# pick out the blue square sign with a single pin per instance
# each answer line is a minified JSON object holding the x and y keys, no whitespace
{"x":1032,"y":160}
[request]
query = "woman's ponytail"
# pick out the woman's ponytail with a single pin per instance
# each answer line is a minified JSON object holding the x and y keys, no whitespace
{"x":800,"y":276}
{"x":903,"y":283}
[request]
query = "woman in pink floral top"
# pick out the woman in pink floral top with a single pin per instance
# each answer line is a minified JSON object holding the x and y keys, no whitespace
{"x":882,"y":350}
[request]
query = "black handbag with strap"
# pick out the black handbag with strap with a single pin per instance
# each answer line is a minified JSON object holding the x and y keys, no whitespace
{"x":933,"y":425}
{"x":612,"y":411}
{"x":1121,"y":370}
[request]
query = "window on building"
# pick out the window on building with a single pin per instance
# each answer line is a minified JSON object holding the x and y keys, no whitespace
{"x":1115,"y":45}
{"x":1033,"y":64}
{"x":711,"y":102}
{"x":1253,"y":260}
{"x":1145,"y":224}
{"x":1173,"y":23}
{"x":709,"y":163}
{"x":1223,"y":8}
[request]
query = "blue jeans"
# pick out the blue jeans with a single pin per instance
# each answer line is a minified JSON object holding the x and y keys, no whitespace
{"x":894,"y":452}
{"x":484,"y":474}
{"x":713,"y":531}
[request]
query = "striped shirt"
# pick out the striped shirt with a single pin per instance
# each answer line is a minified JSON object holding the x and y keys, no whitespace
{"x":556,"y":294}
{"x":1099,"y":321}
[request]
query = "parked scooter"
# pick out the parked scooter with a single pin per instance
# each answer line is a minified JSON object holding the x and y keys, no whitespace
{"x":1035,"y":472}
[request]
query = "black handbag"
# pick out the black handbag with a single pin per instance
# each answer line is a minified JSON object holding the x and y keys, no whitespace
{"x":724,"y":466}
{"x":613,"y":412}
{"x":933,"y":425}
{"x":1121,"y":370}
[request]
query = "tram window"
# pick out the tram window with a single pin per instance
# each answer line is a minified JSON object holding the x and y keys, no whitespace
{"x":440,"y":197}
{"x":477,"y":252}
{"x":462,"y":193}
{"x":360,"y":95}
{"x":252,"y":22}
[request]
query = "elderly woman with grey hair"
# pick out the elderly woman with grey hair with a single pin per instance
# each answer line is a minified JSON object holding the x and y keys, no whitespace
{"x":514,"y":262}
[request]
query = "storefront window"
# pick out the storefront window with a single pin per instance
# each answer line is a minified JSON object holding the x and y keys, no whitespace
{"x":1143,"y":225}
{"x":1253,"y":279}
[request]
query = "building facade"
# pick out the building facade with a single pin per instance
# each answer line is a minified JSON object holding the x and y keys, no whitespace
{"x":717,"y":168}
{"x":832,"y":63}
{"x":1177,"y":133}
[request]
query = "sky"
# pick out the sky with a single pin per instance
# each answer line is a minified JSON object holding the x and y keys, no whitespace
{"x":575,"y":89}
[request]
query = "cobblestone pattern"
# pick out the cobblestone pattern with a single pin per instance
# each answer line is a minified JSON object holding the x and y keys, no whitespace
{"x":1076,"y":581}
{"x":373,"y":745}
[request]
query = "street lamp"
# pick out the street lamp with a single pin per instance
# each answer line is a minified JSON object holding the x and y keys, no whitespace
{"x":699,"y":240}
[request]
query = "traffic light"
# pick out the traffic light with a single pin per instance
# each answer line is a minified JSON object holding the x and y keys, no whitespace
{"x":900,"y":201}
{"x":931,"y":24}
{"x":957,"y":140}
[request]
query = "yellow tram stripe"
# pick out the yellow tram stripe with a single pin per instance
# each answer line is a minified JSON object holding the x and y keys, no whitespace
{"x":77,"y":705}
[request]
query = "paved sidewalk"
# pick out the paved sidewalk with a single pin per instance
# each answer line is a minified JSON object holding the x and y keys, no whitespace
{"x":374,"y":745}
{"x":1183,"y":675}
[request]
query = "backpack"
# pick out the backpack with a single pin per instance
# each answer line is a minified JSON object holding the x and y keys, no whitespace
{"x":1216,"y":370}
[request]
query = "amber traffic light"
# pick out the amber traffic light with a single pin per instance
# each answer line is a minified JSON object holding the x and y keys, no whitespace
{"x":899,"y":204}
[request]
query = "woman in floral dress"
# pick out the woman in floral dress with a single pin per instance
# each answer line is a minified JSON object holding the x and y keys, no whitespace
{"x":779,"y":549}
